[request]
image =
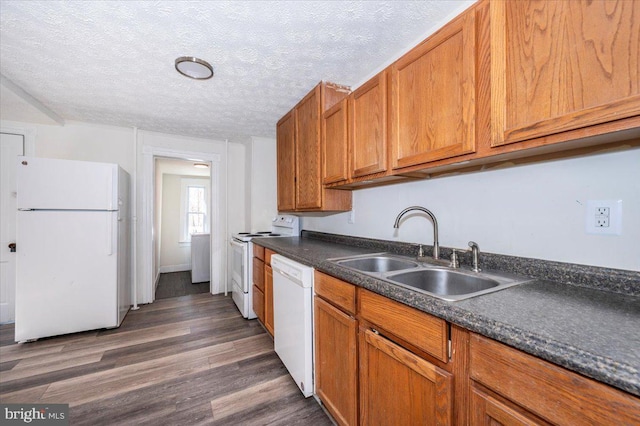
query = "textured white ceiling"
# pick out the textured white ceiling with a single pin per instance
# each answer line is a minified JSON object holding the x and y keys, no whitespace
{"x":112,"y":62}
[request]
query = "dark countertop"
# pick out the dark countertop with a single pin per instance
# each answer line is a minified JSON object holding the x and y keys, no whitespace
{"x":592,"y":332}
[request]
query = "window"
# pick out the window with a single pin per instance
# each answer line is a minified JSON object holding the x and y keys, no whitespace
{"x":194,"y":207}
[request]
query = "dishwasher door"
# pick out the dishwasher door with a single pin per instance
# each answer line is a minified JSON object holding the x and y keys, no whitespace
{"x":293,"y":319}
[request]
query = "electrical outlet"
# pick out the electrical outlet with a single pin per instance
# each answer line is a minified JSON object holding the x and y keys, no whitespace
{"x":604,"y":217}
{"x":352,"y":216}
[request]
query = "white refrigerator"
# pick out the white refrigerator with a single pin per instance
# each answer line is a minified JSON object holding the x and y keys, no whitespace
{"x":73,"y":256}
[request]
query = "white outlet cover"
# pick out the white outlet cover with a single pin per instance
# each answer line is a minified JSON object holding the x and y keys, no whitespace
{"x":615,"y":217}
{"x":352,"y":216}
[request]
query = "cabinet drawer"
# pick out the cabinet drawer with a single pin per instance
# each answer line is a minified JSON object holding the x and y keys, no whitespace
{"x":258,"y":251}
{"x":547,"y":390}
{"x":339,"y":293}
{"x":267,"y":256}
{"x":258,"y":273}
{"x":422,"y":330}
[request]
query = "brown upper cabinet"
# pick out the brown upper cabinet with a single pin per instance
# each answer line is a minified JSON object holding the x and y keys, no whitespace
{"x":303,"y":190}
{"x":368,"y":127}
{"x":286,"y":161}
{"x":558,"y":66}
{"x":432,"y":97}
{"x":335,"y":148}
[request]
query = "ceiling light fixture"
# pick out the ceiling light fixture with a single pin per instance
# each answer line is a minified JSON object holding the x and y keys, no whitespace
{"x":201,"y":165}
{"x":194,"y":68}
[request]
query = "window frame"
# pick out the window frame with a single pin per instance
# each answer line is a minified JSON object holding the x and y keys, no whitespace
{"x":185,"y":183}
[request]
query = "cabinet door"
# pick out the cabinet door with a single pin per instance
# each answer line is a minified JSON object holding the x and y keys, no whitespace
{"x":400,"y":388}
{"x":368,"y":127}
{"x":562,"y":65}
{"x":336,"y":361}
{"x":285,"y":133}
{"x":307,"y":146}
{"x":258,"y":273}
{"x":548,"y":391}
{"x":488,"y":411}
{"x":432,"y":98}
{"x":268,"y":298}
{"x":258,"y":303}
{"x":335,"y":145}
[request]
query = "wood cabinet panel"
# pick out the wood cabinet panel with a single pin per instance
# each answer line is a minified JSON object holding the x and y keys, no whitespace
{"x":488,"y":411}
{"x":307,"y":148}
{"x":258,"y":302}
{"x":400,"y":388}
{"x":432,"y":97}
{"x":300,"y":177}
{"x":268,"y":298}
{"x":258,"y":251}
{"x":336,"y":363}
{"x":368,"y":127}
{"x":286,"y":159}
{"x":335,"y":144}
{"x":420,"y":329}
{"x":258,"y":273}
{"x":267,"y":256}
{"x":550,"y":392}
{"x":338,"y":292}
{"x":562,"y":65}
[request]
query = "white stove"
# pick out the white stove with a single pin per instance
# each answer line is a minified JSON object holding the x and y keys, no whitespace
{"x":242,"y":259}
{"x":281,"y":226}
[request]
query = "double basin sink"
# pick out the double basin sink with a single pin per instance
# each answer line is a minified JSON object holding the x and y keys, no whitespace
{"x":439,"y":281}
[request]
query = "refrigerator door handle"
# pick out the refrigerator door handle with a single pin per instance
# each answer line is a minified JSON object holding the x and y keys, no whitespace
{"x":110,"y":184}
{"x":109,"y":235}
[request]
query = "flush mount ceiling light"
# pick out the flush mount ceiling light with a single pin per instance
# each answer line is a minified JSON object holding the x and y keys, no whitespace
{"x":194,"y":68}
{"x":201,"y":165}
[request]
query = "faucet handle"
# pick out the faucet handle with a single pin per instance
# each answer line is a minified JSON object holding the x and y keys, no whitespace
{"x":420,"y":251}
{"x":455,"y":263}
{"x":475,"y":251}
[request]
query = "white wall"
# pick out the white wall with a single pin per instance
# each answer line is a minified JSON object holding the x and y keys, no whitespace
{"x":263,"y":183}
{"x":238,"y":216}
{"x":535,"y":210}
{"x":83,"y":142}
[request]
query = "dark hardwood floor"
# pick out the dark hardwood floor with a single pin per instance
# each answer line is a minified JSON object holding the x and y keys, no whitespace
{"x":176,"y":284}
{"x":191,"y":360}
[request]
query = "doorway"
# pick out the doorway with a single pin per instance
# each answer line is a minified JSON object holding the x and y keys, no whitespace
{"x":182,"y":220}
{"x":148,"y":254}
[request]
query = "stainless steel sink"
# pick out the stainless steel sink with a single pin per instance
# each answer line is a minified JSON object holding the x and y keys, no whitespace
{"x":380,"y":263}
{"x":438,"y":281}
{"x":444,"y":282}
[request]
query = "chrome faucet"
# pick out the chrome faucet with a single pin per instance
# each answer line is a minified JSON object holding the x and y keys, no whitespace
{"x":436,"y":245}
{"x":475,"y":251}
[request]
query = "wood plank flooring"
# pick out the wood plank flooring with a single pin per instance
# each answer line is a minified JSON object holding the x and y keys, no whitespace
{"x":191,"y":360}
{"x":176,"y":284}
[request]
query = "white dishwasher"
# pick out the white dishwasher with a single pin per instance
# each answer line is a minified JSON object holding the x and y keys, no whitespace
{"x":293,"y":319}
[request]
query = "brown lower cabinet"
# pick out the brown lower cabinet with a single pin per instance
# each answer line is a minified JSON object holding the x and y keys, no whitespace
{"x":336,"y":342}
{"x":268,"y":298}
{"x":337,"y":362}
{"x":258,"y":281}
{"x":510,"y":387}
{"x":398,"y":387}
{"x":380,"y":362}
{"x":263,"y":286}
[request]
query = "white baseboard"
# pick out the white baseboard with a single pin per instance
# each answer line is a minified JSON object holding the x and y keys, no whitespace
{"x":175,"y":268}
